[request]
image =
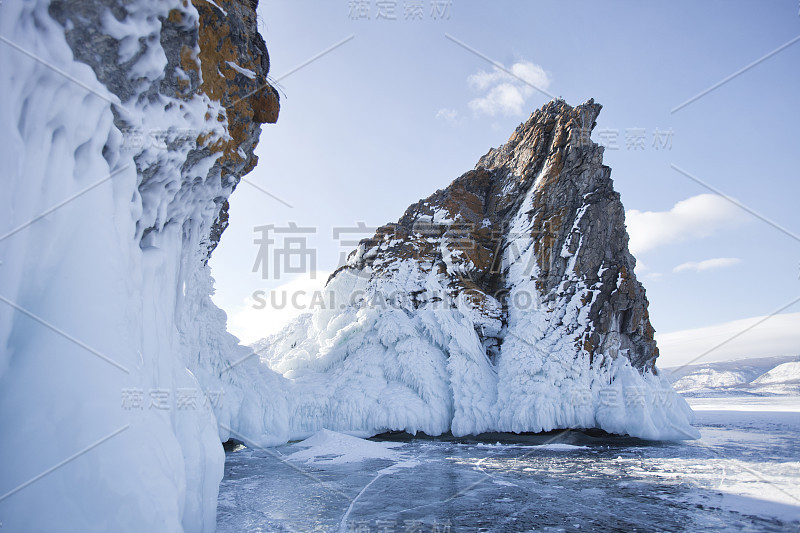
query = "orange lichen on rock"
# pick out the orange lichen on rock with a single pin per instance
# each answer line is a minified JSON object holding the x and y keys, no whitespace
{"x":234,"y":64}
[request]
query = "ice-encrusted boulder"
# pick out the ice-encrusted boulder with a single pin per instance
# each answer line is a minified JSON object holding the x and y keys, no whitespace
{"x":125,"y":126}
{"x":505,"y":302}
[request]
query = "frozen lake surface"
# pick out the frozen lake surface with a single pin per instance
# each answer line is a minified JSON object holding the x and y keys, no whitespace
{"x":743,"y":475}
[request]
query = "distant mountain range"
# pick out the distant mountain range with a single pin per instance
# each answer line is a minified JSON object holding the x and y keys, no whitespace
{"x":763,"y":376}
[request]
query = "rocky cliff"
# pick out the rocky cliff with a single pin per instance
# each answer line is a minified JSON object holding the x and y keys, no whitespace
{"x":126,"y":126}
{"x":209,"y":49}
{"x":572,"y":216}
{"x":505,"y":302}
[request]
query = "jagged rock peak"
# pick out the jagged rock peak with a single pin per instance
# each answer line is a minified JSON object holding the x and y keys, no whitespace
{"x":504,"y":302}
{"x":549,"y":129}
{"x":546,"y":189}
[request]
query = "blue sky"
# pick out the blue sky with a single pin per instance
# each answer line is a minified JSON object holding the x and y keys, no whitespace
{"x":400,"y":110}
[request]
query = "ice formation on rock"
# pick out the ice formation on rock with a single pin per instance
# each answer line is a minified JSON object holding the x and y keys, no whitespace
{"x":124,"y":131}
{"x":505,"y":302}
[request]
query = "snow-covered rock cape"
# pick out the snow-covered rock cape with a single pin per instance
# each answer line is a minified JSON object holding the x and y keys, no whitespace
{"x":506,"y":302}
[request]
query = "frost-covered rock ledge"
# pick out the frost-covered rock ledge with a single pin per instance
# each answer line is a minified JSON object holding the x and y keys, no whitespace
{"x":125,"y":126}
{"x":505,"y":302}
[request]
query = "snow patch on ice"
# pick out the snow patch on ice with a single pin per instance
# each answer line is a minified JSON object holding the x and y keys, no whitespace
{"x":330,"y":447}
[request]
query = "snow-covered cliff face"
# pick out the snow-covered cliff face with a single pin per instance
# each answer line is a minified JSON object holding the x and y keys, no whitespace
{"x":125,"y":126}
{"x":506,"y":302}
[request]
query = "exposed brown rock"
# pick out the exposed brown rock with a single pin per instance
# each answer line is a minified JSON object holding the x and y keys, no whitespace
{"x":220,"y":55}
{"x":576,"y":227}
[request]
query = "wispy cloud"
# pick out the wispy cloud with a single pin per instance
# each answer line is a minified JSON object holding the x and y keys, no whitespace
{"x":504,"y":93}
{"x":696,"y":217}
{"x":643,"y":272}
{"x":708,"y":264}
{"x":447,"y":114}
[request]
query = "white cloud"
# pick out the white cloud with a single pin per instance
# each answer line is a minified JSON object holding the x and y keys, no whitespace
{"x":693,"y":218}
{"x":447,"y":114}
{"x":777,"y":335}
{"x":505,"y":93}
{"x":267,"y":312}
{"x":708,"y":264}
